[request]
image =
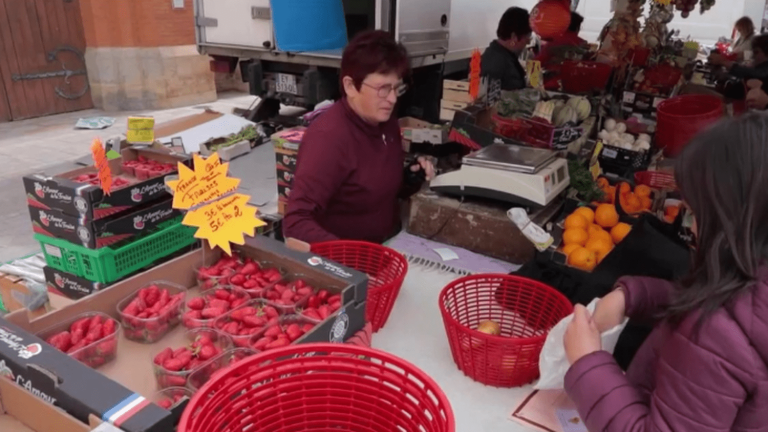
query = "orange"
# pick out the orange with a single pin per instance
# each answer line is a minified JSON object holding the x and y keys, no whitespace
{"x":599,"y":246}
{"x":619,"y":232}
{"x":583,"y":259}
{"x":643,"y":191}
{"x":602,"y":183}
{"x":575,"y":236}
{"x":646,"y":202}
{"x":611,"y":192}
{"x":593,"y":229}
{"x":601,"y":256}
{"x":601,"y":235}
{"x":672,"y":211}
{"x":625,"y":188}
{"x":587,"y":213}
{"x":606,"y":216}
{"x":576,"y":221}
{"x":631,"y":203}
{"x":567,"y":249}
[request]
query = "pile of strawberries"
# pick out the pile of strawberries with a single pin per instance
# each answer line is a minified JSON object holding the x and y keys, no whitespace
{"x":93,"y":178}
{"x":321,"y":305}
{"x":144,"y":169}
{"x":240,"y":324}
{"x":288,"y":296}
{"x":91,"y":340}
{"x":245,"y":274}
{"x":172,"y":367}
{"x":281,"y":335}
{"x":151,"y":314}
{"x":212,"y":304}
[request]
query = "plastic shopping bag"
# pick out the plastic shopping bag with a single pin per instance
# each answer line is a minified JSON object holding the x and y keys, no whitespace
{"x":553,"y":363}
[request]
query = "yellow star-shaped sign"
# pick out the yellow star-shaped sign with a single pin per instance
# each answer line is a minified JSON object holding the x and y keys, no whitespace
{"x":208,"y":195}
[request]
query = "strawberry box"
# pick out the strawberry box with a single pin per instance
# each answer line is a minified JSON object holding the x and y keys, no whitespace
{"x":95,"y":234}
{"x":246,"y":321}
{"x":154,"y":310}
{"x":174,"y":365}
{"x":90,"y":338}
{"x":78,"y":192}
{"x":68,"y":285}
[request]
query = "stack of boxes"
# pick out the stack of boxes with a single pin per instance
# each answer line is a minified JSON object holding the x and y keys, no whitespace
{"x":91,"y":239}
{"x":455,"y":97}
{"x":286,"y":151}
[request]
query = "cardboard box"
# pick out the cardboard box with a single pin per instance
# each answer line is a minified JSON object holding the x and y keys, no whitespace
{"x":68,"y":285}
{"x":282,"y":206}
{"x":103,"y":232}
{"x":286,"y":159}
{"x":283,"y":190}
{"x":22,"y":412}
{"x":225,"y":153}
{"x":88,"y":201}
{"x":289,"y":139}
{"x":14,"y":293}
{"x":418,"y":131}
{"x":38,"y":367}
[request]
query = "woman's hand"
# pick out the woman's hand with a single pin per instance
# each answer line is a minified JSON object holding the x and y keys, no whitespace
{"x":426,"y":165}
{"x":756,"y":97}
{"x":610,"y":311}
{"x":581,"y":337}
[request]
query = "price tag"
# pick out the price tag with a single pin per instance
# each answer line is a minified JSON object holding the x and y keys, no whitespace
{"x":286,"y":83}
{"x":609,"y":153}
{"x":629,"y":97}
{"x":221,"y":215}
{"x":564,"y":136}
{"x":141,"y":130}
{"x":101,"y":162}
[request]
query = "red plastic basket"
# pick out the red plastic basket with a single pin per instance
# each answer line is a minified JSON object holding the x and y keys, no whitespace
{"x":525,"y":311}
{"x":656,"y":179}
{"x":319,"y":388}
{"x":585,"y":76}
{"x":681,"y":117}
{"x":385,"y":267}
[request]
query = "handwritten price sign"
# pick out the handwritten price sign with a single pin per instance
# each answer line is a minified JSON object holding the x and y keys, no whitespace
{"x":101,"y":162}
{"x":208,"y":194}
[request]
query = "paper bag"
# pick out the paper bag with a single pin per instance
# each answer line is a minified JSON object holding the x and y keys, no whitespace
{"x":553,"y":363}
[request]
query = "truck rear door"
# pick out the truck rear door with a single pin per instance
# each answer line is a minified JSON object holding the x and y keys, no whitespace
{"x":423,"y":26}
{"x":245,"y":23}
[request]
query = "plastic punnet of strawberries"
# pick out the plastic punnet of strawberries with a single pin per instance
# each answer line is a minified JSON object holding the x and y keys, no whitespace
{"x":199,"y":377}
{"x":144,"y":168}
{"x":173,"y":366}
{"x":212,"y":304}
{"x":245,"y":274}
{"x":171,"y":396}
{"x":91,"y":339}
{"x":93,"y":179}
{"x":152,"y":312}
{"x":321,"y":305}
{"x":287,"y":331}
{"x":246,"y":321}
{"x":288,"y":295}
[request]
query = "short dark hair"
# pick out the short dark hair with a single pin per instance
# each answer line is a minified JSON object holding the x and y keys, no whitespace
{"x":721,"y":175}
{"x":575,"y":25}
{"x":371,"y":52}
{"x":515,"y":21}
{"x":760,"y":42}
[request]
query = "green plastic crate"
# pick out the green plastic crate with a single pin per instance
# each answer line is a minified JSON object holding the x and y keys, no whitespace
{"x":109,"y":264}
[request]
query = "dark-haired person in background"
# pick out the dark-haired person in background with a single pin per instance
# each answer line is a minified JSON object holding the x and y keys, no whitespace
{"x":568,"y":39}
{"x":500,"y":60}
{"x":349,"y":171}
{"x":705,"y":365}
{"x":759,"y":68}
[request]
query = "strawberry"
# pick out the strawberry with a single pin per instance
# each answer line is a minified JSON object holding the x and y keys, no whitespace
{"x":323,"y":295}
{"x":237,"y":279}
{"x":173,"y":365}
{"x":212,"y":312}
{"x":77,"y":336}
{"x":222,"y":294}
{"x":106,"y":348}
{"x":96,"y":320}
{"x":94,"y":334}
{"x":324,"y":311}
{"x":336,"y":298}
{"x":110,"y":327}
{"x":163,"y":355}
{"x":306,"y":328}
{"x":207,"y":352}
{"x":273,"y":331}
{"x":249,"y":268}
{"x":217,"y":303}
{"x":254,"y":321}
{"x":270,"y":312}
{"x":293,"y":332}
{"x":165,"y":404}
{"x":311,"y":314}
{"x":80,"y":325}
{"x":78,"y":346}
{"x":278,"y":343}
{"x":288,"y":296}
{"x":197,"y":303}
{"x":240,"y":314}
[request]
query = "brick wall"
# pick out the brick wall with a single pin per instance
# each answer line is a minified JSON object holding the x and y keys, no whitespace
{"x":137,"y":23}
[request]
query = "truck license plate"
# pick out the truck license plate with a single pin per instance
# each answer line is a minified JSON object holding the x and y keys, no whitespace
{"x":286,"y":83}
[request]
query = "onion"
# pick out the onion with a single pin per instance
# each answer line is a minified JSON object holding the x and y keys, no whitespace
{"x":610,"y":125}
{"x":621,"y":128}
{"x":489,"y":327}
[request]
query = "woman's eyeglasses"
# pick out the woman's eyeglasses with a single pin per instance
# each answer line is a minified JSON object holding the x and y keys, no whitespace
{"x":386,"y":89}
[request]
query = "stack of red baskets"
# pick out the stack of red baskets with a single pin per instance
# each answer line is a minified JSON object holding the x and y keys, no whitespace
{"x":681,"y":117}
{"x":385,"y":267}
{"x":524,"y":310}
{"x":319,"y":388}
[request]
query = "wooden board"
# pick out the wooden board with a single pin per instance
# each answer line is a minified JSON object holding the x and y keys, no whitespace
{"x":42,"y":36}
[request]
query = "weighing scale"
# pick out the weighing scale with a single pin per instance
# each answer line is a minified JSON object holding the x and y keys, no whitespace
{"x":527,"y":176}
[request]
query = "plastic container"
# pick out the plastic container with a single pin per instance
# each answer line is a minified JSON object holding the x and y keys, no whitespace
{"x":208,"y":282}
{"x":385,"y":267}
{"x":237,"y":297}
{"x":585,"y":76}
{"x":656,"y":179}
{"x":242,"y":340}
{"x":680,"y":118}
{"x":522,"y":310}
{"x":290,"y":283}
{"x":151,"y":330}
{"x":257,"y":341}
{"x":166,"y":378}
{"x":171,"y":397}
{"x":98,"y":352}
{"x":111,"y":263}
{"x":227,"y":359}
{"x":331,"y":386}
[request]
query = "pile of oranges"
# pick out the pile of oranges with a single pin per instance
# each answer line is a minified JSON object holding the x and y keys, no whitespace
{"x":632,"y":202}
{"x":590,"y":235}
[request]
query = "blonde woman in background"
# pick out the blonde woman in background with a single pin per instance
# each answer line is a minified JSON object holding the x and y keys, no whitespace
{"x":743,"y":44}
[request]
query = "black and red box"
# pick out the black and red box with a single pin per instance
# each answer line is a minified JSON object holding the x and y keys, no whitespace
{"x":103,"y":232}
{"x":68,"y":285}
{"x":83,"y":200}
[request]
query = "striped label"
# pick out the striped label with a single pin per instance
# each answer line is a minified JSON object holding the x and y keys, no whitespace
{"x":125,"y":409}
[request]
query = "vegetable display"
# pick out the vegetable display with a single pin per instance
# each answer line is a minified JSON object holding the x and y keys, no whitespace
{"x":615,"y":134}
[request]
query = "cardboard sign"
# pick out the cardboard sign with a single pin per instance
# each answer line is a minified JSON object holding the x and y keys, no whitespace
{"x":566,"y":135}
{"x":141,"y":130}
{"x":212,"y":205}
{"x":533,"y":70}
{"x":101,"y":162}
{"x":474,"y":75}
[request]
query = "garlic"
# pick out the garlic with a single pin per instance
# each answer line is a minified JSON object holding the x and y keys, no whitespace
{"x":614,"y":136}
{"x":621,"y":127}
{"x":604,"y":136}
{"x":610,"y":124}
{"x":644,"y":145}
{"x":644,"y":137}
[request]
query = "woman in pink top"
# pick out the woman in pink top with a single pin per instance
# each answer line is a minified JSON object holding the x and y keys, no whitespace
{"x":704,"y":368}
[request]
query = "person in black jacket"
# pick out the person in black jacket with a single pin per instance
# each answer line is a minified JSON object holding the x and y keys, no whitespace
{"x":500,"y":60}
{"x":759,"y":68}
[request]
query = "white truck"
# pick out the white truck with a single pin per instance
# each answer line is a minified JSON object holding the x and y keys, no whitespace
{"x":440,"y":36}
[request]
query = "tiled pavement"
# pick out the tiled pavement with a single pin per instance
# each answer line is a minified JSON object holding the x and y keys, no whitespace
{"x":51,"y":144}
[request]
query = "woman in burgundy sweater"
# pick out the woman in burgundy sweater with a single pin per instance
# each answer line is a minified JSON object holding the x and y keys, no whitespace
{"x":349,"y":171}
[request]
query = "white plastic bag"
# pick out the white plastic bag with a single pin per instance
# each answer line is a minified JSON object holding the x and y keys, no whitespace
{"x":553,"y":363}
